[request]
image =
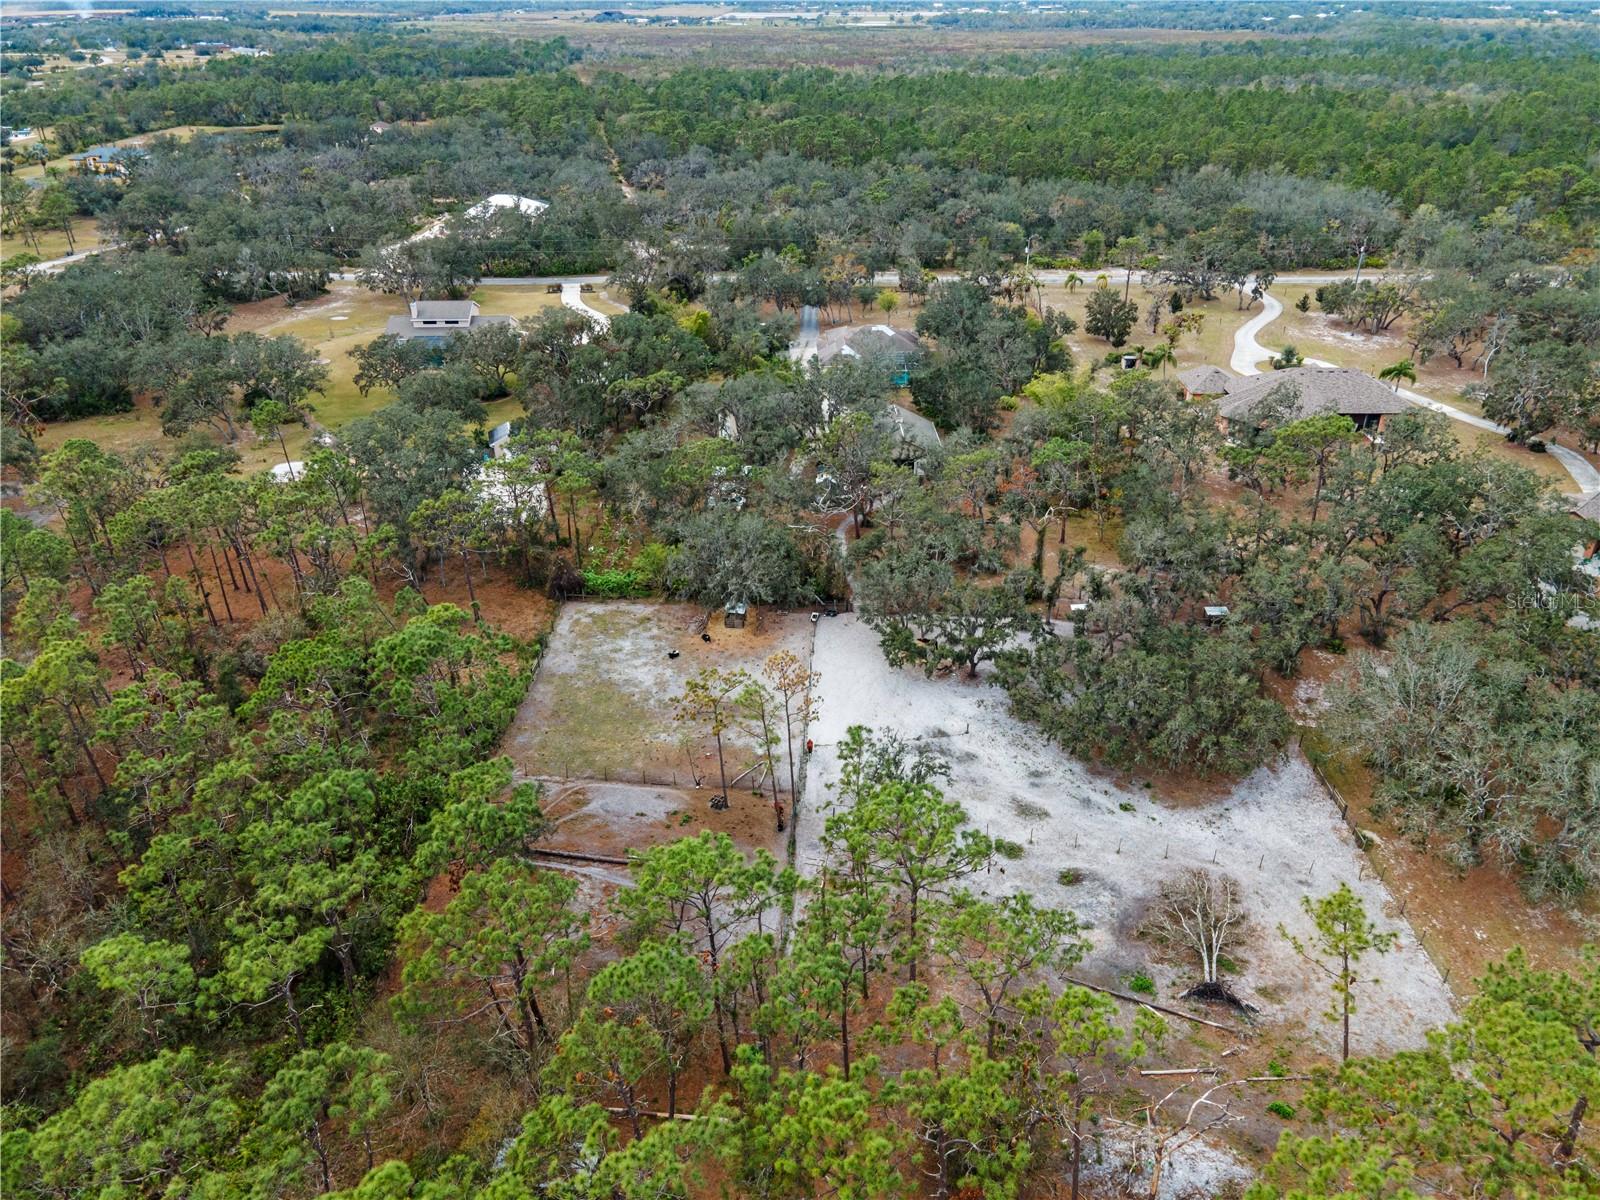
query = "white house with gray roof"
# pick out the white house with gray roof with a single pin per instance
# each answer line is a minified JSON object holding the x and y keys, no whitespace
{"x":436,"y":321}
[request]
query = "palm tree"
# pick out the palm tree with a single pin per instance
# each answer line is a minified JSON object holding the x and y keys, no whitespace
{"x":1074,"y":281}
{"x":1160,"y":355}
{"x":1395,"y":372}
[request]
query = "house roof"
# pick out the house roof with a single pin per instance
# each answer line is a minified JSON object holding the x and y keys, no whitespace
{"x":106,"y":151}
{"x":913,"y":429}
{"x":859,"y":341}
{"x":526,"y":205}
{"x":1588,"y":507}
{"x":406,"y":328}
{"x":1320,"y":390}
{"x":443,"y":310}
{"x":1207,"y":380}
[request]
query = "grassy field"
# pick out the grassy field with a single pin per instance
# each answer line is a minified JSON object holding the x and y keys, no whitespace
{"x":53,"y":242}
{"x":1213,"y":345}
{"x":334,"y":325}
{"x":840,"y":40}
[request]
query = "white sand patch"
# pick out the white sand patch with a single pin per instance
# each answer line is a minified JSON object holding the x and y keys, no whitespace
{"x":1123,"y":1160}
{"x":1324,"y":330}
{"x":1275,"y":831}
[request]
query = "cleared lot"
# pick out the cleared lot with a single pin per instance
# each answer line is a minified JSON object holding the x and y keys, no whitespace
{"x":597,"y":725}
{"x":1102,"y":850}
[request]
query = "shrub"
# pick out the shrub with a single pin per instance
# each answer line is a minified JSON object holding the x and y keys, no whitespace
{"x":1141,"y":984}
{"x":1005,"y":849}
{"x":1069,"y":877}
{"x":1279,"y":1109}
{"x":615,"y":584}
{"x":650,"y":564}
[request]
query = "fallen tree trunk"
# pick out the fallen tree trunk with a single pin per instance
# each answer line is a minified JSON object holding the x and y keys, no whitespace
{"x":576,"y":856}
{"x":1160,"y":1008}
{"x":1183,"y":1071}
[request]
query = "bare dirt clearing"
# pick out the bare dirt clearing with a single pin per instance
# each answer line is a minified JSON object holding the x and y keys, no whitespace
{"x":601,"y":706}
{"x":1102,"y":849}
{"x":609,"y":819}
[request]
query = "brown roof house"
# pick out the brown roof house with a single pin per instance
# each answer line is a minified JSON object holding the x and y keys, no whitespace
{"x":1313,"y":391}
{"x":1207,"y":382}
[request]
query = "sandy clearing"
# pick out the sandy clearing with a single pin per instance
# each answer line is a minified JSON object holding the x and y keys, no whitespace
{"x":1275,"y":831}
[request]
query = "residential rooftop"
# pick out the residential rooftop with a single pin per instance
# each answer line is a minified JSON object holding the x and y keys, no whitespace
{"x":1318,"y":390}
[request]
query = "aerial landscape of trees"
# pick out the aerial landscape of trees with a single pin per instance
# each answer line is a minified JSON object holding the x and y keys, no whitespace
{"x":281,"y":911}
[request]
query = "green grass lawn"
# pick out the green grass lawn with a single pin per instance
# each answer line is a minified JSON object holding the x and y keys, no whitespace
{"x":53,"y":242}
{"x":1214,"y":344}
{"x":333,"y":326}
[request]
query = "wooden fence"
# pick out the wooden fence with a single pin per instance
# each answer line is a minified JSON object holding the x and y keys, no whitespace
{"x":1365,"y":843}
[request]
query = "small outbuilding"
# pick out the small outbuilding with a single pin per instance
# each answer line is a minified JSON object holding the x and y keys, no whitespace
{"x":500,"y":440}
{"x":734,"y":616}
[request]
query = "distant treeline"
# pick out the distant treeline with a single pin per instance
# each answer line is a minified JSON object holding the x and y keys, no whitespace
{"x":1466,"y":123}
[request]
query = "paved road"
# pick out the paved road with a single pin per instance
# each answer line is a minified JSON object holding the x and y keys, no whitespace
{"x":502,"y":280}
{"x":1248,"y":351}
{"x":804,"y":346}
{"x":51,"y":266}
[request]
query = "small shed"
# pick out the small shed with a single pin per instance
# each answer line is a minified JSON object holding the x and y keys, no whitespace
{"x":1216,"y":614}
{"x":500,"y":440}
{"x":1130,"y":361}
{"x":733,"y":617}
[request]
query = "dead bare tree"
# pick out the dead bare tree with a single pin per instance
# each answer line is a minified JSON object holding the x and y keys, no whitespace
{"x":1201,"y":911}
{"x":1156,"y":1140}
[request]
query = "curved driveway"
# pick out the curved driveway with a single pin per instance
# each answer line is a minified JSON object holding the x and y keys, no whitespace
{"x":1247,"y":352}
{"x":572,"y":297}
